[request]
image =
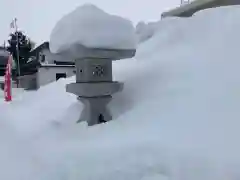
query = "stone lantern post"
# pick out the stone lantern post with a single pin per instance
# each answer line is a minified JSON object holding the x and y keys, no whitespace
{"x":94,"y":84}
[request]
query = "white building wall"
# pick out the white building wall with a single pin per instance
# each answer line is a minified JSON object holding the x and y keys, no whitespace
{"x":50,"y":57}
{"x":47,"y":75}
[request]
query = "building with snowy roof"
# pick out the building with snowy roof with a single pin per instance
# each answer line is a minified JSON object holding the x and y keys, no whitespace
{"x":188,"y":9}
{"x":4,"y":54}
{"x":44,"y":67}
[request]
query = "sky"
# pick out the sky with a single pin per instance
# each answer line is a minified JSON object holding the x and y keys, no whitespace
{"x":37,"y":18}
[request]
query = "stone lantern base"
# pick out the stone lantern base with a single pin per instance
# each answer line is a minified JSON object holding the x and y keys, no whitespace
{"x":95,"y":97}
{"x":95,"y":110}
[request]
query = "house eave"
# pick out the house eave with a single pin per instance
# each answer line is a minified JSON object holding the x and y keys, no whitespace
{"x":56,"y":66}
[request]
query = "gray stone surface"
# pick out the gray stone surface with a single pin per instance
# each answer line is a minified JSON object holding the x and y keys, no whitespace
{"x":28,"y":82}
{"x":93,"y":70}
{"x":95,"y":110}
{"x":81,"y":52}
{"x":94,"y":89}
{"x":94,"y":81}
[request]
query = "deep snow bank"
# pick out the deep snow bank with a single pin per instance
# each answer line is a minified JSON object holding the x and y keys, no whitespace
{"x":177,"y":117}
{"x":146,"y":31}
{"x":90,"y":26}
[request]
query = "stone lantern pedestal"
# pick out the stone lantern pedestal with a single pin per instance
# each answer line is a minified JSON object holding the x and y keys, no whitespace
{"x":94,"y":84}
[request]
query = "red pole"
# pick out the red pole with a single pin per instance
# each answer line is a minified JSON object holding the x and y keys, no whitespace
{"x":8,"y":81}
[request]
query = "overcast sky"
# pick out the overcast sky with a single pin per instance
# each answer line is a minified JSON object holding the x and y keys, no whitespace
{"x":37,"y":17}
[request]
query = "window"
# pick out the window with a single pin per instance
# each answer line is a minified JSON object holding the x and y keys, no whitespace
{"x":43,"y":58}
{"x":60,"y":75}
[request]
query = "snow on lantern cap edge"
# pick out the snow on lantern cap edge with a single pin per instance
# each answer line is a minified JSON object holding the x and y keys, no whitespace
{"x":90,"y":29}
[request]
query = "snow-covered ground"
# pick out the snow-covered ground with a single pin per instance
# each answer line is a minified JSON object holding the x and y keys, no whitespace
{"x":16,"y":93}
{"x":177,"y":118}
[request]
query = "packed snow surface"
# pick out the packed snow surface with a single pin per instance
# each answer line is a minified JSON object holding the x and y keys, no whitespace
{"x":90,"y":26}
{"x":145,"y":31}
{"x":176,"y":119}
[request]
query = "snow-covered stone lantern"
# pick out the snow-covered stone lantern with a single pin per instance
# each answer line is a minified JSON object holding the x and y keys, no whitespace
{"x":93,"y":41}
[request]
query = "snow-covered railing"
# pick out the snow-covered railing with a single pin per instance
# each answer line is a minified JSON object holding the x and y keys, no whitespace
{"x":188,"y":8}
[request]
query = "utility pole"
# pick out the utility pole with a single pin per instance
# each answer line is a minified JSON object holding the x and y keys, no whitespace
{"x":4,"y":45}
{"x":14,"y":25}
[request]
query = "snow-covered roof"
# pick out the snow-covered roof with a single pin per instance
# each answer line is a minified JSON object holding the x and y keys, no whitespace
{"x":4,"y":54}
{"x":44,"y":45}
{"x":190,"y":8}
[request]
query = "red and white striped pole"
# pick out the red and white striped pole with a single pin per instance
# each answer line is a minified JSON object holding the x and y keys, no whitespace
{"x":8,"y":81}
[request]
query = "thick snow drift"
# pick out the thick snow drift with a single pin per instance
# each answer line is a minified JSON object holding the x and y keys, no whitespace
{"x":177,"y":118}
{"x":145,"y":31}
{"x":92,"y":27}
